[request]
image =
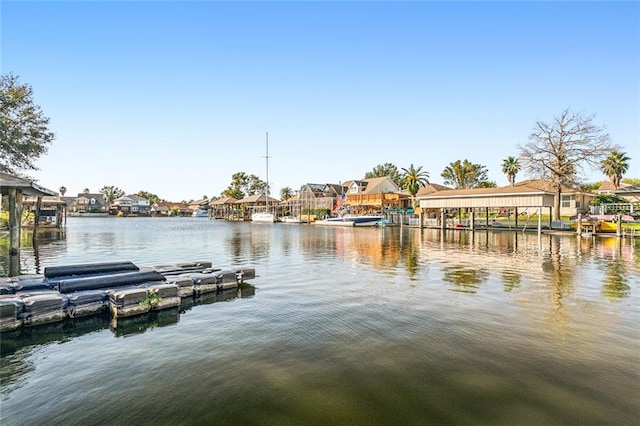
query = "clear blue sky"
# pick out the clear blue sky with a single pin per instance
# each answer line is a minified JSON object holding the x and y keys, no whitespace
{"x":175,"y":97}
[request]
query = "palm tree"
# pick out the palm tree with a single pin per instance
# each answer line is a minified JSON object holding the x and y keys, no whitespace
{"x":511,"y":167}
{"x":286,"y":193}
{"x":615,"y":165}
{"x":63,"y":190}
{"x":412,"y":179}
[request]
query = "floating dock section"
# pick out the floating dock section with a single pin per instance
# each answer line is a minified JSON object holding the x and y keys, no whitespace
{"x":119,"y":288}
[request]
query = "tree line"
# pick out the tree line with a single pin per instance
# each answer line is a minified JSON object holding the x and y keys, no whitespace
{"x":557,"y":151}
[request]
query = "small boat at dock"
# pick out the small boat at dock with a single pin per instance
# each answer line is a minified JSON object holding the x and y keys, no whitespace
{"x":604,"y":223}
{"x":200,"y":213}
{"x":290,"y":219}
{"x":366,"y":220}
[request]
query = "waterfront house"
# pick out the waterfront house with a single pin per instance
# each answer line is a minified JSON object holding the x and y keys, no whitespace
{"x":131,"y":205}
{"x":88,"y":203}
{"x":374,"y":195}
{"x":165,"y":208}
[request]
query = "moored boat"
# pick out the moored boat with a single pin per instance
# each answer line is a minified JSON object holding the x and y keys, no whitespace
{"x":265,"y":216}
{"x":200,"y":213}
{"x":366,"y":220}
{"x":600,"y":223}
{"x":290,"y":219}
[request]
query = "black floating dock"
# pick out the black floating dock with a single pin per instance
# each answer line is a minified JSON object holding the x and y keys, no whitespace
{"x":120,"y":288}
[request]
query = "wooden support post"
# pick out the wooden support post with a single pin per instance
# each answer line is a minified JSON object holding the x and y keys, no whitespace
{"x":36,"y":216}
{"x":472,"y":218}
{"x":486,"y":211}
{"x":15,"y":201}
{"x":618,"y":225}
{"x":579,"y":225}
{"x":443,"y":221}
{"x":516,"y":213}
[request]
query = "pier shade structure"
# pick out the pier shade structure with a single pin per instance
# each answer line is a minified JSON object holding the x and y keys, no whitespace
{"x":523,"y":198}
{"x":15,"y":188}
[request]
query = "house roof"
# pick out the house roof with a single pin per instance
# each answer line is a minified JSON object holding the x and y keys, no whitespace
{"x":372,"y":184}
{"x":506,"y":196}
{"x":224,"y":200}
{"x":257,"y":198}
{"x":47,"y":200}
{"x":123,"y":198}
{"x":488,"y":192}
{"x":628,"y":189}
{"x":430,"y":189}
{"x":315,"y":186}
{"x":169,"y":205}
{"x":291,"y":199}
{"x":545,"y":185}
{"x":27,"y":187}
{"x":607,"y":185}
{"x":336,"y":187}
{"x":97,"y":196}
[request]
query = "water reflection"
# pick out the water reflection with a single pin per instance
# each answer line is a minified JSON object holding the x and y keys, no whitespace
{"x":616,"y":283}
{"x":511,"y":280}
{"x":124,"y":327}
{"x":15,"y":350}
{"x":465,"y":280}
{"x":31,"y":246}
{"x":249,"y":243}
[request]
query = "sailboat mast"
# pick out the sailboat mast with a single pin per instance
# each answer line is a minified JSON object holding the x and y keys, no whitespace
{"x":267,"y":179}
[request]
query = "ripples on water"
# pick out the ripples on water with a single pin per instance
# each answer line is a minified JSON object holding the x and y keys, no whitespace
{"x":341,"y":326}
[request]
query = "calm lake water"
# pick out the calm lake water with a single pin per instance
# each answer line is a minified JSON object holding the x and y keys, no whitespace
{"x":341,"y":326}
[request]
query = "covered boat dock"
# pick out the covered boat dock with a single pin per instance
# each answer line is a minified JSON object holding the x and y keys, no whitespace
{"x":523,"y":198}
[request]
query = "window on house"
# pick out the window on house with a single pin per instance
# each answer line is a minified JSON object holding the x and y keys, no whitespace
{"x":566,"y":201}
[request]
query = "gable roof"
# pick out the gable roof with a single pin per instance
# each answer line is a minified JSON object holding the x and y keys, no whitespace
{"x":607,"y":185}
{"x":545,"y":185}
{"x":137,"y":198}
{"x":225,"y":200}
{"x":429,"y":189}
{"x":257,"y":198}
{"x":628,"y":189}
{"x":380,"y":184}
{"x":506,"y":196}
{"x":487,"y":192}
